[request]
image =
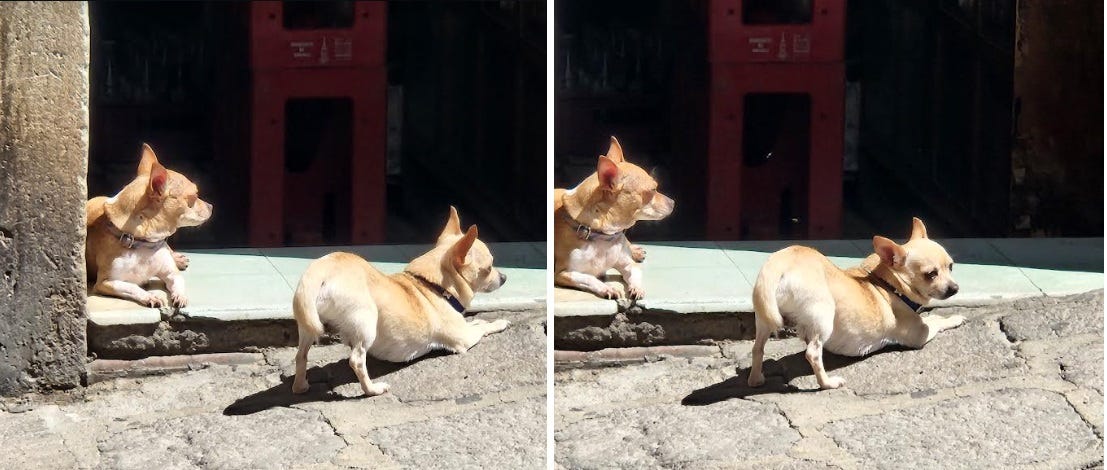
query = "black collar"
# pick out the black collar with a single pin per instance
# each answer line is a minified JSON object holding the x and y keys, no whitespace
{"x":441,"y":291}
{"x":911,"y":304}
{"x":131,"y":242}
{"x":587,"y":233}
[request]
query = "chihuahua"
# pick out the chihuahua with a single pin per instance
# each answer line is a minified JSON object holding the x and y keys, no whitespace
{"x":856,"y":311}
{"x":396,"y":317}
{"x":126,"y":243}
{"x":590,"y":222}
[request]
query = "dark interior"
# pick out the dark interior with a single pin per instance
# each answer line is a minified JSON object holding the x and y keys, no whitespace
{"x":466,"y":116}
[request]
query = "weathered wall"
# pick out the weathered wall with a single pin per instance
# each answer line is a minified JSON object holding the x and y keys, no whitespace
{"x":44,"y":57}
{"x":1057,"y":159}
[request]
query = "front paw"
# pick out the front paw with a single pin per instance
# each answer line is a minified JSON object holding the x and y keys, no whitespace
{"x":607,"y":292}
{"x":179,"y":299}
{"x":637,"y":253}
{"x":636,"y":292}
{"x":954,"y":321}
{"x":498,"y":326}
{"x":181,"y":260}
{"x":156,"y":299}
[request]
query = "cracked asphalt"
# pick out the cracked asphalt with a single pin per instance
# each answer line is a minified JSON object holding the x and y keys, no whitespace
{"x":485,"y":408}
{"x":1019,"y":384}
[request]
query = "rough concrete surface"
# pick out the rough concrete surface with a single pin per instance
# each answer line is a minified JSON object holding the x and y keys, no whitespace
{"x":1019,"y":384}
{"x":44,"y":56}
{"x":485,"y":408}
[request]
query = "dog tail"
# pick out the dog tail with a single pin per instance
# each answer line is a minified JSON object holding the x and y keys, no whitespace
{"x":764,"y":297}
{"x":304,"y":305}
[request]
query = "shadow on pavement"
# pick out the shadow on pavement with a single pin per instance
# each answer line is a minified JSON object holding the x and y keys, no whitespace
{"x":323,"y":381}
{"x":778,"y":375}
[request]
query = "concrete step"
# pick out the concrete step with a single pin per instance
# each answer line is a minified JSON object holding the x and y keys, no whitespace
{"x":699,"y":292}
{"x":241,"y":299}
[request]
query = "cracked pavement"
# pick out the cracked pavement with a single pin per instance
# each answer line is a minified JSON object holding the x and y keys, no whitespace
{"x":485,"y":408}
{"x":1019,"y":384}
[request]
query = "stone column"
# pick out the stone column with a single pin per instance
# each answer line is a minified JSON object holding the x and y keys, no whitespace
{"x":44,"y":61}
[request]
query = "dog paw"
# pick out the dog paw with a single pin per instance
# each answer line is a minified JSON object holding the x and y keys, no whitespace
{"x":376,"y":388}
{"x":637,"y":253}
{"x":181,"y":260}
{"x":833,"y":382}
{"x":756,"y":381}
{"x":179,"y":299}
{"x":499,"y":325}
{"x":156,"y":299}
{"x":635,"y":292}
{"x":955,"y":321}
{"x":608,"y":292}
{"x":298,"y":387}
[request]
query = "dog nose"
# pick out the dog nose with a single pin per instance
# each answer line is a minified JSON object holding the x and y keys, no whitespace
{"x":952,"y":289}
{"x":503,"y":279}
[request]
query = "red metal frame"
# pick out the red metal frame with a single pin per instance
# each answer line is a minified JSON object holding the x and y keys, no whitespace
{"x":821,"y":40}
{"x":825,"y":84}
{"x":291,"y":64}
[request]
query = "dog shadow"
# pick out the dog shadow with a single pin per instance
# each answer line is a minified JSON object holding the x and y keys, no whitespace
{"x":779,"y":374}
{"x":323,"y":381}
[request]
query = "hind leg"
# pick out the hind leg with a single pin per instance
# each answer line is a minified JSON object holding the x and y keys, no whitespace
{"x":361,"y":339}
{"x":300,"y":383}
{"x":357,"y":363}
{"x":764,"y":330}
{"x":820,"y":328}
{"x":815,"y":358}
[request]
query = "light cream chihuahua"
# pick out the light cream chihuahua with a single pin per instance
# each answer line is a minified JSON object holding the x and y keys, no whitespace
{"x":590,"y":223}
{"x":856,"y":311}
{"x":126,"y":247}
{"x":396,"y":317}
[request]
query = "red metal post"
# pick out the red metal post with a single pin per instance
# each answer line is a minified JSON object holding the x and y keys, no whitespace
{"x":740,"y":66}
{"x":325,"y":63}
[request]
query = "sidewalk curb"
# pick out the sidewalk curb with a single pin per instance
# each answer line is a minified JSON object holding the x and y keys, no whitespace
{"x":100,"y":370}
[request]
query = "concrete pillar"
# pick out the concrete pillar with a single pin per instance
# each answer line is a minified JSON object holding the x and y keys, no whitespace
{"x":44,"y":59}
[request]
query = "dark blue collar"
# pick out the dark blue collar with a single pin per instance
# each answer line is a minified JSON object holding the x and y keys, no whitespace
{"x":441,"y":291}
{"x":911,"y":304}
{"x":587,"y":233}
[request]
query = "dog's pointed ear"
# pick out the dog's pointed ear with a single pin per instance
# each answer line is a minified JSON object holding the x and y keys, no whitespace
{"x":461,"y":248}
{"x":453,"y":225}
{"x":607,"y":170}
{"x":158,"y":177}
{"x":918,"y":230}
{"x":890,"y":253}
{"x":147,"y":161}
{"x":615,"y":151}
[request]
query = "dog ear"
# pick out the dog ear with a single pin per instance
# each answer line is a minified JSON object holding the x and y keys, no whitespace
{"x":918,"y":230}
{"x":453,"y":225}
{"x":615,"y":151}
{"x":158,"y":177}
{"x":148,"y":160}
{"x":461,"y":248}
{"x":890,"y":253}
{"x":607,"y":170}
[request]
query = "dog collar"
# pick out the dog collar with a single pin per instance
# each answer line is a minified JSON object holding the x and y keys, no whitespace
{"x":911,"y":304}
{"x":441,"y":291}
{"x":587,"y":233}
{"x":131,"y":242}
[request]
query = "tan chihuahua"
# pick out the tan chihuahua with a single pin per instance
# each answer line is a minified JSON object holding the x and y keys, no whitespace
{"x":856,"y":311}
{"x":126,"y":247}
{"x":590,"y":222}
{"x":396,"y":317}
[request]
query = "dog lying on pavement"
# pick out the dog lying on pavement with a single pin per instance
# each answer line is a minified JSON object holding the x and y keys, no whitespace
{"x":856,"y":311}
{"x":396,"y":317}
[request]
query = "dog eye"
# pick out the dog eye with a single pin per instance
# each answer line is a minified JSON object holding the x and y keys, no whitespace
{"x":950,"y":267}
{"x":933,"y":273}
